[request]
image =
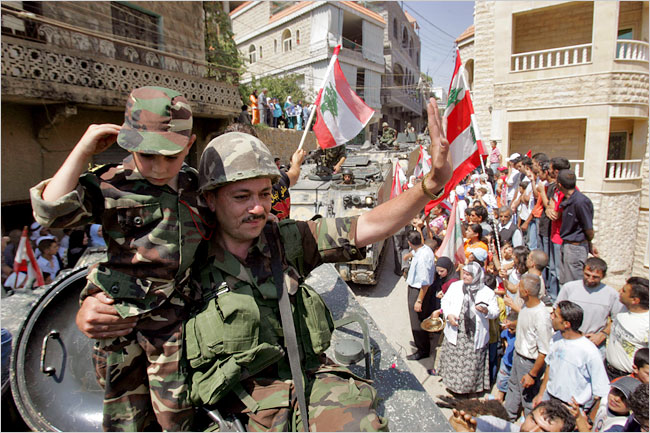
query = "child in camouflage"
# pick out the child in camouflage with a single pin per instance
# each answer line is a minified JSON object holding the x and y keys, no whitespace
{"x":147,"y":206}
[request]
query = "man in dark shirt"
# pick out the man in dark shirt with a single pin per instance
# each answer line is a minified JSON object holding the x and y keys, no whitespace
{"x":280,"y":198}
{"x":577,"y":229}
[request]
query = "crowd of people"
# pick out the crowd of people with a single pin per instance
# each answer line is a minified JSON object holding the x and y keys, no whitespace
{"x":528,"y":319}
{"x":267,"y":110}
{"x":54,"y":250}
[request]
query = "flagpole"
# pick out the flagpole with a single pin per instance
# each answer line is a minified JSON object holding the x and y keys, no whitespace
{"x":480,"y":157}
{"x":335,"y":55}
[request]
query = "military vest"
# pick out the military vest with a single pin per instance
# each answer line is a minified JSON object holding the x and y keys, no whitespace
{"x":237,"y":332}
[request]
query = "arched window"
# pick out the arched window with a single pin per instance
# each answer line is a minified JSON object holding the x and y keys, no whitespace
{"x":260,"y":52}
{"x":251,"y":54}
{"x":417,"y":58}
{"x":398,"y":75}
{"x":395,"y":34}
{"x":405,"y":37}
{"x":275,"y":46}
{"x":411,"y":47}
{"x":286,"y":40}
{"x":297,"y":37}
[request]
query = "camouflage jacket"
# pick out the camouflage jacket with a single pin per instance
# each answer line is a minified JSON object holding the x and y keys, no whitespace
{"x":332,"y":156}
{"x":388,"y":136}
{"x":238,"y":328}
{"x":151,"y":232}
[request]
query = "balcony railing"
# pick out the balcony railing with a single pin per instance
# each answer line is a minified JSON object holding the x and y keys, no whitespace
{"x":623,"y":169}
{"x":553,"y":58}
{"x":578,"y":167}
{"x":628,"y":50}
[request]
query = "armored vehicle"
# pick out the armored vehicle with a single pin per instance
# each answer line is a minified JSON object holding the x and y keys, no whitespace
{"x":330,"y":196}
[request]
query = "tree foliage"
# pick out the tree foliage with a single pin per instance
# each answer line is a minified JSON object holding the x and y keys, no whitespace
{"x":220,"y":48}
{"x":278,"y":87}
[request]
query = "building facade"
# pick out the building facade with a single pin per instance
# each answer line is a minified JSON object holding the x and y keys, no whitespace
{"x":279,"y":38}
{"x":401,"y":98}
{"x":571,"y":79}
{"x":66,"y":65}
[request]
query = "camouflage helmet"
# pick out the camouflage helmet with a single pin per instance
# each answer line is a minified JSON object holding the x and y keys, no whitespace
{"x":232,"y":157}
{"x":384,"y":125}
{"x":156,"y":121}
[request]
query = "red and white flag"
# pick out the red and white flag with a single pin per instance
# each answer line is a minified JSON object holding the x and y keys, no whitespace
{"x":399,"y":181}
{"x":452,"y":245}
{"x":25,"y":261}
{"x":423,"y":166}
{"x":341,"y":113}
{"x":464,"y":137}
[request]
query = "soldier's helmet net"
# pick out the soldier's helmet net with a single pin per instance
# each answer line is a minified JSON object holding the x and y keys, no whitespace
{"x":384,"y":125}
{"x":232,"y":157}
{"x":157,"y":121}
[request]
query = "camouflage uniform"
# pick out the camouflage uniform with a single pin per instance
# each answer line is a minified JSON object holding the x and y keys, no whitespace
{"x":235,"y":345}
{"x":333,"y":155}
{"x":235,"y":340}
{"x":388,"y":136}
{"x":152,"y":234}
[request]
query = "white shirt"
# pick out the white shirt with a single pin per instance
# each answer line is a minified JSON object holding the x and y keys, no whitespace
{"x":51,"y":267}
{"x":422,"y":269}
{"x":629,"y":332}
{"x":534,"y":331}
{"x":452,"y":303}
{"x":576,"y":370}
{"x":510,"y":182}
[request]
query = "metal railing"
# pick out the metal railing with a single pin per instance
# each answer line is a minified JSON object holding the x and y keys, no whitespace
{"x":630,"y":50}
{"x":578,"y":167}
{"x":553,"y":58}
{"x":623,"y":169}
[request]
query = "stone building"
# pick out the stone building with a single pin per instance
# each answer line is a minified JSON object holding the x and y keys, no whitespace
{"x":571,"y":79}
{"x":279,"y":38}
{"x":66,"y":65}
{"x":401,"y":100}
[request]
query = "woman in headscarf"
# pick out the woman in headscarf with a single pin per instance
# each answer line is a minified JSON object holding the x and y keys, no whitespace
{"x":254,"y":108}
{"x":289,"y":112}
{"x":467,"y":307}
{"x":96,"y":236}
{"x":445,"y":276}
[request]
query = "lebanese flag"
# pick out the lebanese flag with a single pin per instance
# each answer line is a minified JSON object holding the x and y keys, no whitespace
{"x":25,"y":261}
{"x":423,"y":166}
{"x":399,"y":181}
{"x":463,"y":133}
{"x":341,"y":114}
{"x":453,"y":245}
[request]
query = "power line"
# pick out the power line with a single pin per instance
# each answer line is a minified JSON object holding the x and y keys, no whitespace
{"x":429,"y":22}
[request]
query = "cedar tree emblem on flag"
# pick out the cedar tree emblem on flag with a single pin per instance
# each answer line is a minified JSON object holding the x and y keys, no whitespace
{"x":341,"y":113}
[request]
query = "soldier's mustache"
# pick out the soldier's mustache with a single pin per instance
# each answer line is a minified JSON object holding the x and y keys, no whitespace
{"x":253,"y":218}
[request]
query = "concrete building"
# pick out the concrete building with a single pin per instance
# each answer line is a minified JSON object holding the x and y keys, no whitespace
{"x":66,"y":65}
{"x":401,"y":99}
{"x":571,"y":79}
{"x":279,"y":38}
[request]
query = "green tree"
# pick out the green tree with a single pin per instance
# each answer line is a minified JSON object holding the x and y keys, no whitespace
{"x":220,"y":50}
{"x":278,"y":87}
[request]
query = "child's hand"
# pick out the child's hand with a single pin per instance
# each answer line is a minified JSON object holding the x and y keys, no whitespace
{"x":98,"y":138}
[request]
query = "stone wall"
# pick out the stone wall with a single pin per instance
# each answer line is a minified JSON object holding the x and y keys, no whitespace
{"x":484,"y":51}
{"x":641,"y":247}
{"x":563,"y":26}
{"x":554,"y":137}
{"x":252,"y":19}
{"x":185,"y":37}
{"x":606,"y":88}
{"x":615,"y":225}
{"x":283,"y":142}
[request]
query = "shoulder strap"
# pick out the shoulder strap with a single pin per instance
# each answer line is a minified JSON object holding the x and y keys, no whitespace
{"x":292,"y":242}
{"x":288,"y":327}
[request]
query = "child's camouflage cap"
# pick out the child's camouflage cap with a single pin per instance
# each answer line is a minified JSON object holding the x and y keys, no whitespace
{"x":156,"y":121}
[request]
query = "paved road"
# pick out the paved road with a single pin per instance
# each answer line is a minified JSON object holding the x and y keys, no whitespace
{"x":386,"y":303}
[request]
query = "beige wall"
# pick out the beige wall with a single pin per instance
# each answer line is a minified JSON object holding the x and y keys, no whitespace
{"x":555,"y":138}
{"x":565,"y":25}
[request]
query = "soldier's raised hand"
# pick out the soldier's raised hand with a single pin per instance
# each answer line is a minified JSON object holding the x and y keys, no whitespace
{"x":441,"y":169}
